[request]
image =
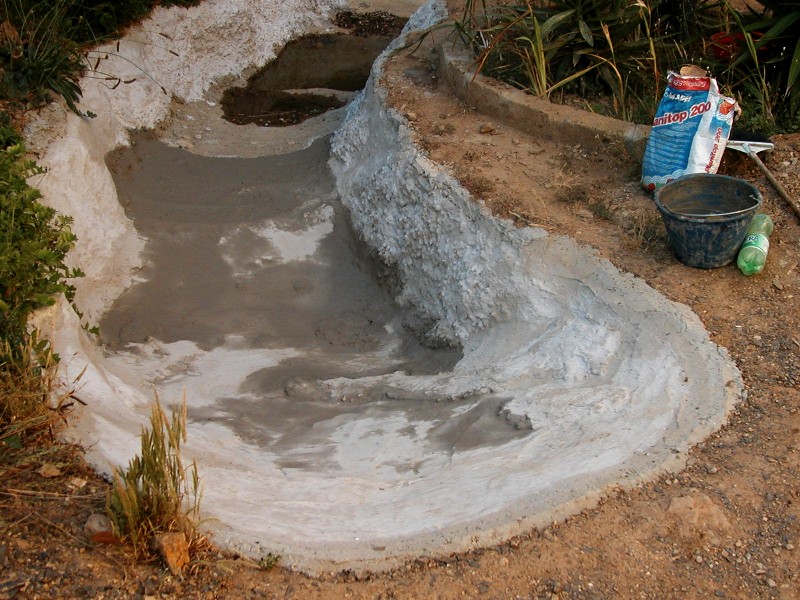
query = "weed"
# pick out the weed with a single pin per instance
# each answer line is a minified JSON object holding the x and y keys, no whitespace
{"x":600,"y":210}
{"x":39,"y":54}
{"x":27,"y":371}
{"x":646,"y":229}
{"x":156,"y":493}
{"x":268,"y":562}
{"x":622,"y":48}
{"x":572,"y":194}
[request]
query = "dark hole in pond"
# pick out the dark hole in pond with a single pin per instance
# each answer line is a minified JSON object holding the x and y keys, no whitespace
{"x":313,"y":74}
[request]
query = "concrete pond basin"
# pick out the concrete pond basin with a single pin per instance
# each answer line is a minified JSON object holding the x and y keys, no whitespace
{"x":375,"y":367}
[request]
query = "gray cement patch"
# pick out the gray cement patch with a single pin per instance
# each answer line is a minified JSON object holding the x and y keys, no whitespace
{"x":574,"y":377}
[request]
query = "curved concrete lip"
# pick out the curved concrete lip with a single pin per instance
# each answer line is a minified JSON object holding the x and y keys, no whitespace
{"x":609,"y":382}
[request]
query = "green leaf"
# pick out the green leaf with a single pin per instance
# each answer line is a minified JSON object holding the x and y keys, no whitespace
{"x":794,"y":69}
{"x":552,"y":23}
{"x":13,"y":441}
{"x":586,"y":32}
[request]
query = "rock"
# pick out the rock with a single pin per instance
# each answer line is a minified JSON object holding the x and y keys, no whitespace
{"x":77,"y":483}
{"x":98,"y":529}
{"x":697,"y":515}
{"x":174,"y":549}
{"x":487,"y":128}
{"x":49,"y":470}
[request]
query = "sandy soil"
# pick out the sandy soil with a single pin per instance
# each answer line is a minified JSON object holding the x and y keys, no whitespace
{"x":726,"y":526}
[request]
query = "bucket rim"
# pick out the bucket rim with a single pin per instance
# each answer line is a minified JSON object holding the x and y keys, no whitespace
{"x":756,"y":195}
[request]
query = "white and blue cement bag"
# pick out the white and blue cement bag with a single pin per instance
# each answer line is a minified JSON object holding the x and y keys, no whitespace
{"x":690,"y":129}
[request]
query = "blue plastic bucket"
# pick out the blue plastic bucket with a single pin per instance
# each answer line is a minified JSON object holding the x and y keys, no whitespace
{"x":706,"y":217}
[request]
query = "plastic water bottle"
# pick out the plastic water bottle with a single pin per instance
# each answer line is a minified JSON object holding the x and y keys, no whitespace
{"x":753,"y":253}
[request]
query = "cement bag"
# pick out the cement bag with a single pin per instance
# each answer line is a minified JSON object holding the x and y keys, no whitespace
{"x":690,"y":129}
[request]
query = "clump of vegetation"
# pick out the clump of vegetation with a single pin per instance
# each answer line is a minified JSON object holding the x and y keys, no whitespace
{"x":760,"y":53}
{"x":34,"y":242}
{"x":27,"y":412}
{"x":645,"y":229}
{"x":156,"y":493}
{"x":44,"y":50}
{"x":45,"y":44}
{"x":623,"y":49}
{"x":38,"y":55}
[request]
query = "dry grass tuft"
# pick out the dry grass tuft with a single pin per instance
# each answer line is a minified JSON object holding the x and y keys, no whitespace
{"x":156,"y":493}
{"x":30,"y":410}
{"x":646,"y":229}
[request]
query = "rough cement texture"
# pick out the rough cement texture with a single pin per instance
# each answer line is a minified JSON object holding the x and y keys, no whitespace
{"x":176,"y":55}
{"x":603,"y":380}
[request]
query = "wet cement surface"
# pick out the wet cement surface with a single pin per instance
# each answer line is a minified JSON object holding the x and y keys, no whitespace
{"x":257,"y":255}
{"x":306,"y":79}
{"x":323,"y":432}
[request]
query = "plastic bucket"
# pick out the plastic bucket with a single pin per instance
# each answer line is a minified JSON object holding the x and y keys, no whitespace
{"x":706,"y":217}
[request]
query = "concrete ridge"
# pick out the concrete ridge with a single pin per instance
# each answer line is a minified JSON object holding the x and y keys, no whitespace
{"x":535,"y":115}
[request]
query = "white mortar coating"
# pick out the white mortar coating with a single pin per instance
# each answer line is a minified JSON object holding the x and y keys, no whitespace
{"x":177,"y":53}
{"x":614,"y":381}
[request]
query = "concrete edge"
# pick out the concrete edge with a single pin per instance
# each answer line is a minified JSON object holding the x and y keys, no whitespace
{"x":554,"y":122}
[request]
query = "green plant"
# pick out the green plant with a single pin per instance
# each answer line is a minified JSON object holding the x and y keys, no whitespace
{"x":27,"y":371}
{"x":766,"y":69}
{"x":624,"y":47}
{"x":645,"y":229}
{"x":38,"y":53}
{"x":156,"y":493}
{"x":34,"y":242}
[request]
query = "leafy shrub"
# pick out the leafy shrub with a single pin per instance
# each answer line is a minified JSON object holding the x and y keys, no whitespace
{"x":624,"y":48}
{"x":101,"y":19}
{"x":618,"y":46}
{"x":38,"y":54}
{"x":34,"y":242}
{"x":156,"y":494}
{"x":764,"y":68}
{"x":26,"y":375}
{"x":44,"y":43}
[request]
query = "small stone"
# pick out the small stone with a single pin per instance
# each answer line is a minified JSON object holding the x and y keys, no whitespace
{"x":777,"y":284}
{"x":174,"y":549}
{"x":487,"y":128}
{"x":98,"y":529}
{"x":77,"y":483}
{"x":411,"y":116}
{"x":535,"y":149}
{"x":96,"y":522}
{"x":698,"y":559}
{"x":49,"y":470}
{"x":712,"y":470}
{"x":789,"y":546}
{"x":771,"y":583}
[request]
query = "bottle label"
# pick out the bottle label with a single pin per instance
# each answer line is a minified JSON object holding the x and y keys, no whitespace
{"x":757,"y":240}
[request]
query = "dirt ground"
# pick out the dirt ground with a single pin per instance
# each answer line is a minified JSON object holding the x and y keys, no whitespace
{"x":724,"y":527}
